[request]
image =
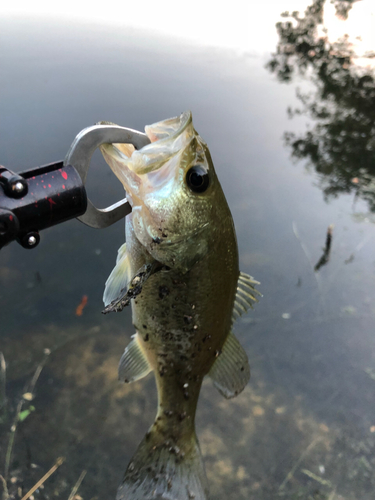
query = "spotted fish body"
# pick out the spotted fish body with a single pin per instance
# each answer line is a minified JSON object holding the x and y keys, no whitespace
{"x":180,"y":235}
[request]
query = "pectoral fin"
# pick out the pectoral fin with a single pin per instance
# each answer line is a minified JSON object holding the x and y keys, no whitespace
{"x":231,"y":371}
{"x":245,"y":296}
{"x":133,"y":289}
{"x":133,"y":363}
{"x":119,"y":277}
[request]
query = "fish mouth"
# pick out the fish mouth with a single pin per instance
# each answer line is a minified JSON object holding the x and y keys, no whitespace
{"x":150,"y":177}
{"x":149,"y":168}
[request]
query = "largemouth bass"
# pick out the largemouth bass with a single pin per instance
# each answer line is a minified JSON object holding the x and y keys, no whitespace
{"x":180,"y":267}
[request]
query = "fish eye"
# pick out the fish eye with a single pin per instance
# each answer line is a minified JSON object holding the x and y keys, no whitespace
{"x":197,"y":179}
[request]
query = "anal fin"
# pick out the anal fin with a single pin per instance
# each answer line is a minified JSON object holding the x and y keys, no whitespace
{"x":133,"y":363}
{"x":231,"y":371}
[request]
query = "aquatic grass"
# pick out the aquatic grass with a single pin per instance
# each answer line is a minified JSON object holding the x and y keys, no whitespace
{"x":298,"y":462}
{"x":77,"y":485}
{"x":20,"y":415}
{"x":302,"y":492}
{"x":5,"y":495}
{"x":59,"y":461}
{"x":317,"y":478}
{"x":3,"y":367}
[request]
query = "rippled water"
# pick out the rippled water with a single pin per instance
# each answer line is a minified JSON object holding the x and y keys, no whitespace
{"x":305,"y":424}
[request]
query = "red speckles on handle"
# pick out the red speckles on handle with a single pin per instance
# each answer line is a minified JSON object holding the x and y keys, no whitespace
{"x":63,"y":186}
{"x":65,"y":175}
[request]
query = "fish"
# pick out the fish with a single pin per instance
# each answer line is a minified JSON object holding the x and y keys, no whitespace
{"x":179,"y":270}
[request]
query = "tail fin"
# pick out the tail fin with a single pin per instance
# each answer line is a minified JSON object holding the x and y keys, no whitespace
{"x":164,"y":471}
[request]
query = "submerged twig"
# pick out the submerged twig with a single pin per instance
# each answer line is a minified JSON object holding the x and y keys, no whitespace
{"x":359,"y":247}
{"x":295,"y":466}
{"x":326,"y":250}
{"x":59,"y":461}
{"x":306,"y":252}
{"x":3,"y":368}
{"x":77,"y":485}
{"x":29,"y":388}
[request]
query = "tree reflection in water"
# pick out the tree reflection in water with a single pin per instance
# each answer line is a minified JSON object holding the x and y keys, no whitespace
{"x":341,"y":143}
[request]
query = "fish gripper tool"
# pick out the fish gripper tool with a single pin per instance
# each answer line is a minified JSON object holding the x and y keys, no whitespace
{"x":44,"y":196}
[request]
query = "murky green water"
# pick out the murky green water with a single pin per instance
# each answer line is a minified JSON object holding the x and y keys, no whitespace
{"x":304,"y":427}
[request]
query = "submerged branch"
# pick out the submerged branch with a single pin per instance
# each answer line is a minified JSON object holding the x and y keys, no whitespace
{"x":326,"y":251}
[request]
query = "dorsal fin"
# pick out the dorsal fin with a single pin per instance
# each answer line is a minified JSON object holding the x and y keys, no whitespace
{"x":231,"y":371}
{"x":133,"y":363}
{"x":245,"y":296}
{"x":119,"y":278}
